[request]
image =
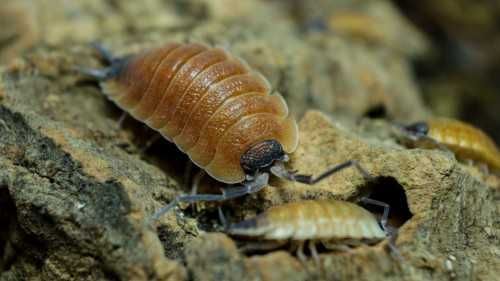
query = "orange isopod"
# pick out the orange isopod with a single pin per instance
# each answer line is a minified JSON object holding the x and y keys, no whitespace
{"x":464,"y":140}
{"x":214,"y":107}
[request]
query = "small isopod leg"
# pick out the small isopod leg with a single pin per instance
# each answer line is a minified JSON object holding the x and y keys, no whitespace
{"x":196,"y":181}
{"x":483,"y":167}
{"x":121,"y":120}
{"x":385,"y":214}
{"x":222,"y":219}
{"x":227,"y":193}
{"x":146,"y":146}
{"x":300,"y":252}
{"x":99,"y":74}
{"x":279,"y":170}
{"x":194,"y":186}
{"x":314,"y":252}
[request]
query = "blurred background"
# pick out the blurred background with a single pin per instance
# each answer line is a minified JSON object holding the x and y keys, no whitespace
{"x":399,"y":55}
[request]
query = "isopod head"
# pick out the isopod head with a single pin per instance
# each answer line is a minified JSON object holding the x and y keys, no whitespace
{"x":261,"y":156}
{"x":418,"y":129}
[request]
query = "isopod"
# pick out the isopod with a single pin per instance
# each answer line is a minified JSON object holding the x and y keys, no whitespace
{"x":215,"y":108}
{"x":333,"y":223}
{"x":464,"y":140}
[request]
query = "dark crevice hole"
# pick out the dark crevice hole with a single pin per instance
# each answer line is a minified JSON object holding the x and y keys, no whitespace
{"x":376,"y":112}
{"x":388,"y":190}
{"x":7,"y":221}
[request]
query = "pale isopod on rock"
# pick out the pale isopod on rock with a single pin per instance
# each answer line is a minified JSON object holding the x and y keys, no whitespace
{"x":333,"y":223}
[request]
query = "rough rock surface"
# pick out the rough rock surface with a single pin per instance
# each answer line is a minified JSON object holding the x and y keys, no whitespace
{"x":76,"y":190}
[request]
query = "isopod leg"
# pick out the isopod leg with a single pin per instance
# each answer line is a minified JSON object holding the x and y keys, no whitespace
{"x":300,"y":252}
{"x":222,"y":219}
{"x":385,"y":214}
{"x":121,"y":120}
{"x":314,"y":252}
{"x":227,"y":193}
{"x":196,"y":182}
{"x":483,"y":167}
{"x":150,"y":142}
{"x":280,"y":171}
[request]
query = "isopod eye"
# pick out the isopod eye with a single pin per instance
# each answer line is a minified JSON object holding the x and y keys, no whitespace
{"x":418,"y":128}
{"x":261,"y":156}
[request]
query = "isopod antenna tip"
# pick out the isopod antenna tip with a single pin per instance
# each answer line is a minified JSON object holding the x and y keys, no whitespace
{"x":113,"y":64}
{"x":96,"y":74}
